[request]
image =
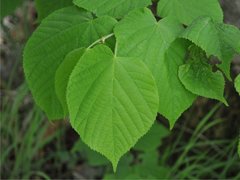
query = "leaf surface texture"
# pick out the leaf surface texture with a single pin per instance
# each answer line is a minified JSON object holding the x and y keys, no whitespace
{"x":185,"y":11}
{"x":60,"y":33}
{"x":114,"y":8}
{"x":112,"y":101}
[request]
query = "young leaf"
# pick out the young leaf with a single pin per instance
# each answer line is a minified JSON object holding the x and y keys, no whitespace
{"x":63,"y":73}
{"x":188,"y":10}
{"x":216,"y":39}
{"x":197,"y":77}
{"x":112,"y":101}
{"x":152,"y":139}
{"x":46,"y":7}
{"x":140,"y":35}
{"x":237,"y":84}
{"x":58,"y":34}
{"x":114,"y":8}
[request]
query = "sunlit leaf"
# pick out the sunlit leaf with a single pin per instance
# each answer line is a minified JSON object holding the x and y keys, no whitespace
{"x":112,"y":101}
{"x":58,"y":34}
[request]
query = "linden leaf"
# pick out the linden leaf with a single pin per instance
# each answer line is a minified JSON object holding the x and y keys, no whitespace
{"x":185,"y":11}
{"x":140,"y":35}
{"x":174,"y":98}
{"x":152,"y":139}
{"x":63,"y":73}
{"x":46,"y":7}
{"x":197,"y":77}
{"x":114,"y":8}
{"x":58,"y":34}
{"x":112,"y":101}
{"x":216,"y":39}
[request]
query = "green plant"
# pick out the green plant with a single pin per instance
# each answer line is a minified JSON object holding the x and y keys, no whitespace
{"x":111,"y":66}
{"x":199,"y":157}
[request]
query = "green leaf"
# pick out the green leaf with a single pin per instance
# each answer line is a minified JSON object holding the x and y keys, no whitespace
{"x":57,"y":35}
{"x":216,"y":39}
{"x":8,"y":6}
{"x":46,"y":7}
{"x":140,"y":35}
{"x":174,"y":98}
{"x":149,"y":167}
{"x":63,"y":73}
{"x":185,"y":11}
{"x":93,"y":158}
{"x":237,"y":84}
{"x":114,"y":8}
{"x":124,"y":168}
{"x":112,"y":101}
{"x":152,"y":139}
{"x":197,"y":77}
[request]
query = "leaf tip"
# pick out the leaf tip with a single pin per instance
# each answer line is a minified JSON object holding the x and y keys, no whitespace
{"x":225,"y":102}
{"x":114,"y":165}
{"x":171,"y":124}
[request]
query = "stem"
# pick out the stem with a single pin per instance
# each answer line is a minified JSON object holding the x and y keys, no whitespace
{"x":116,"y":48}
{"x":101,"y":40}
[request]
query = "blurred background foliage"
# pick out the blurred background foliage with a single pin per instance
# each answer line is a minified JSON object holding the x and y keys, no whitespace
{"x":203,"y":143}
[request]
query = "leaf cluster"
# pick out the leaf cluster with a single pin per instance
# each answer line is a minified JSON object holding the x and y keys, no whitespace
{"x":111,"y":66}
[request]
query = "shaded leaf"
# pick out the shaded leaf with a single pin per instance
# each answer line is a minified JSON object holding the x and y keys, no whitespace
{"x":93,"y":158}
{"x":197,"y":77}
{"x":149,"y":167}
{"x":63,"y":73}
{"x":216,"y":39}
{"x":46,"y":7}
{"x":124,"y":169}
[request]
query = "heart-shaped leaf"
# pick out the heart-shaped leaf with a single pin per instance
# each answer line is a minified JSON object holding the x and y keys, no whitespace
{"x":112,"y":101}
{"x":58,"y":34}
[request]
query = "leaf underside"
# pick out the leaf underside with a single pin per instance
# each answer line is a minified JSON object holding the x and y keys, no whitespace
{"x":114,"y":105}
{"x":150,"y":141}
